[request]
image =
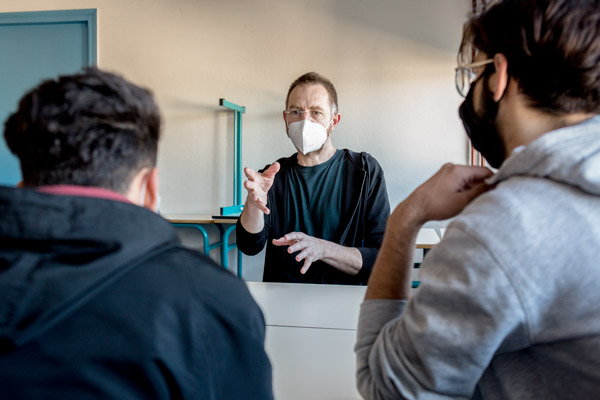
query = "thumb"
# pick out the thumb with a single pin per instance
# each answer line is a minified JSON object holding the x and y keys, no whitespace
{"x":474,"y":192}
{"x":272,"y":170}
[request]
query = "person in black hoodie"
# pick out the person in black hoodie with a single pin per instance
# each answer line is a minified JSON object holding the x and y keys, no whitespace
{"x":99,"y":299}
{"x":322,"y":212}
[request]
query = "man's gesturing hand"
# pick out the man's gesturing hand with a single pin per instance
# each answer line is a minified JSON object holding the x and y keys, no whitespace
{"x":311,"y":249}
{"x":258,"y":185}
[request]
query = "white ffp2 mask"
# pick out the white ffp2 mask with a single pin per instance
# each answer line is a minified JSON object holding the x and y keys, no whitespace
{"x":307,"y":135}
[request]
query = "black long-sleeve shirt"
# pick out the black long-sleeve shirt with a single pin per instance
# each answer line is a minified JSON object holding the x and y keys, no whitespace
{"x":365,"y":209}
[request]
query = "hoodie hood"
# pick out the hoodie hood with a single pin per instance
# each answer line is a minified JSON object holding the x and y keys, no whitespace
{"x":568,"y":155}
{"x":58,"y":252}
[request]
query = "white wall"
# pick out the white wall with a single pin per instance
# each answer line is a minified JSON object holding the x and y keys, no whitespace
{"x":392,"y":62}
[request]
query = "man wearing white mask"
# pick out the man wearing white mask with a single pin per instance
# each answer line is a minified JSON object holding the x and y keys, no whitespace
{"x":322,"y":211}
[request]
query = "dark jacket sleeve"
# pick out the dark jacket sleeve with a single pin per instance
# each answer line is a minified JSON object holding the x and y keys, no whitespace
{"x":376,"y":212}
{"x":250,"y":243}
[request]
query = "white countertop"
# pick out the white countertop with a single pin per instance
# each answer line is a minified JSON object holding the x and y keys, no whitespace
{"x":309,"y":305}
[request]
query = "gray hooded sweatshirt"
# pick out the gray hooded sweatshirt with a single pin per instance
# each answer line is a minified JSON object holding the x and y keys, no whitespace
{"x":509,"y":302}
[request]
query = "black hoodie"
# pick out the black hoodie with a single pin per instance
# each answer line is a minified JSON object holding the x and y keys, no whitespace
{"x":99,"y":300}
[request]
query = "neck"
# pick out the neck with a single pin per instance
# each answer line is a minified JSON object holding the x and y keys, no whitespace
{"x":533,"y":124}
{"x":317,"y":157}
{"x":520,"y":124}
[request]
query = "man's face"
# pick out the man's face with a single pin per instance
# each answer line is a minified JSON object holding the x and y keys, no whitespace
{"x":311,"y":98}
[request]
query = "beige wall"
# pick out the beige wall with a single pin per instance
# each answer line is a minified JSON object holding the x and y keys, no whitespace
{"x":392,"y":62}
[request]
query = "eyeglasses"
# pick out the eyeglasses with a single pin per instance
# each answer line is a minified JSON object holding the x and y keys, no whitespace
{"x":297,"y":115}
{"x":465,"y":75}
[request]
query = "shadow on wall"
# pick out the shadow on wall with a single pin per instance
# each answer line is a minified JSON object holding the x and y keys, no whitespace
{"x":201,"y":125}
{"x":431,"y":22}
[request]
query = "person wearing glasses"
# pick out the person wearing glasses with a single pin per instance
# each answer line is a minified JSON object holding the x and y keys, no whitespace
{"x":508,"y":302}
{"x":321,"y":212}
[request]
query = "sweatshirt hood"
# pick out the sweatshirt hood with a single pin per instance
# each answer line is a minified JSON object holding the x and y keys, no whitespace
{"x":568,"y":155}
{"x":58,"y":252}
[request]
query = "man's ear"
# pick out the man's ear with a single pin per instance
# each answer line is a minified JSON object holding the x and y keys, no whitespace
{"x":499,"y":80}
{"x":152,"y":190}
{"x":20,"y":185}
{"x":336,"y":120}
{"x":144,"y":188}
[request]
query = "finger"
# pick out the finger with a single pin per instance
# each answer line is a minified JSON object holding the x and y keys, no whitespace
{"x":470,"y":175}
{"x":255,"y":201}
{"x":307,"y":264}
{"x":302,"y":255}
{"x":263,"y":208}
{"x":272,"y":170}
{"x":288,"y":239}
{"x":250,"y":185}
{"x":295,"y":236}
{"x":282,"y":242}
{"x":297,"y":245}
{"x":476,"y":179}
{"x":474,"y":192}
{"x":250,"y":173}
{"x":479,"y":173}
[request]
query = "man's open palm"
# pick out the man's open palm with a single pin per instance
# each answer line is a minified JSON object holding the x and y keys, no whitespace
{"x":258,"y":185}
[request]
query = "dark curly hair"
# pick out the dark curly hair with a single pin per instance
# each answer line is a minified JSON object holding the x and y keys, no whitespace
{"x":89,"y":129}
{"x":552,"y":48}
{"x":313,"y":78}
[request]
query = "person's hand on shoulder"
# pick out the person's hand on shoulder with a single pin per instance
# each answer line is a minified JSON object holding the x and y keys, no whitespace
{"x":447,"y":193}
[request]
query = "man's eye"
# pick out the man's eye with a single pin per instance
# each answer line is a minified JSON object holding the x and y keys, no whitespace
{"x":316,"y":114}
{"x":296,"y":113}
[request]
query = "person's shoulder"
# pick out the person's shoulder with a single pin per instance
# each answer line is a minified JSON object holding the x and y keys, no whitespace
{"x":357,"y":156}
{"x":362,"y":159}
{"x":502,"y":208}
{"x":284,"y":162}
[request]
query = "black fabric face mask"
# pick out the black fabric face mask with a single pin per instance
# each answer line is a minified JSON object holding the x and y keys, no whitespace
{"x":482,"y":130}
